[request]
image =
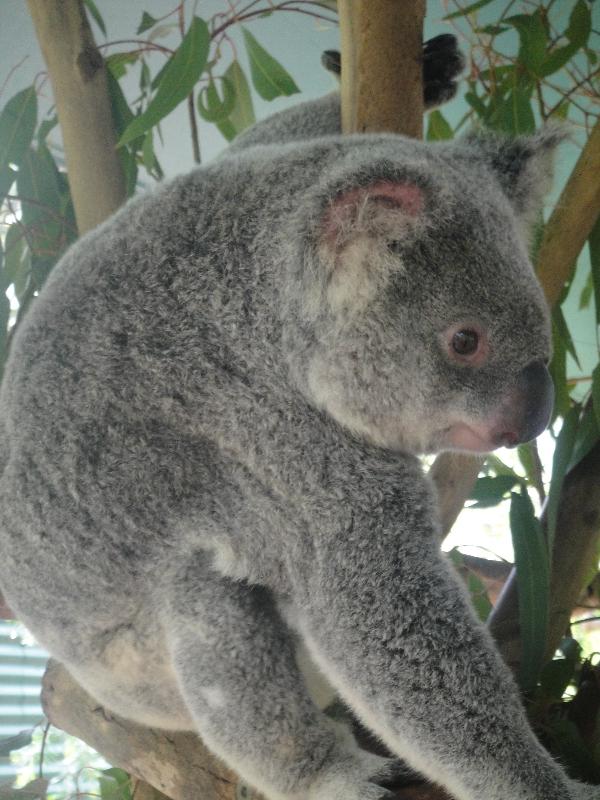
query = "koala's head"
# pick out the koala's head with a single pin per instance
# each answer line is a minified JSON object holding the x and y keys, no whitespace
{"x":422,"y":325}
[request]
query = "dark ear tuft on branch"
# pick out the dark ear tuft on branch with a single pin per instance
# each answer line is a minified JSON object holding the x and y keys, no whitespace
{"x":443,"y":62}
{"x":523,"y":165}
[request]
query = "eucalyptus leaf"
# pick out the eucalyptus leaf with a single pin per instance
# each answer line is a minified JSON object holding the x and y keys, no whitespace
{"x":270,"y":79}
{"x":596,"y":392}
{"x":556,"y":676}
{"x":563,"y":452}
{"x":468,"y":9}
{"x":438,"y":127}
{"x":594,"y":248}
{"x":565,"y":334}
{"x":177,"y":80}
{"x":210,"y":105}
{"x":115,"y":784}
{"x":242,"y":114}
{"x":489,"y":491}
{"x":533,"y":39}
{"x":147,"y":22}
{"x":7,"y":177}
{"x":533,"y":581}
{"x":558,"y":372}
{"x":95,"y":14}
{"x":17,"y":125}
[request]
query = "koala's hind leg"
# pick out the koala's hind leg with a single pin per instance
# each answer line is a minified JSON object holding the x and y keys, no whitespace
{"x":237,"y":671}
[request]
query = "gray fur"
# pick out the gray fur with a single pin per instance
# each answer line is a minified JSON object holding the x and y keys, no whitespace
{"x":182,"y":497}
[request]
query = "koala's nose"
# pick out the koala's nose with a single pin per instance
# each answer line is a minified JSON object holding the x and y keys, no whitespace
{"x":533,"y":400}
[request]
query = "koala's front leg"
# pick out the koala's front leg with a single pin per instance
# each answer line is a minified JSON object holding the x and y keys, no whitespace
{"x":386,"y":619}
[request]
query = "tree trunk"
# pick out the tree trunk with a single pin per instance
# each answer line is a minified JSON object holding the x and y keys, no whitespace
{"x":78,"y":77}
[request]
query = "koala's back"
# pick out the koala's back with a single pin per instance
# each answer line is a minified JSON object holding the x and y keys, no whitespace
{"x":100,"y":452}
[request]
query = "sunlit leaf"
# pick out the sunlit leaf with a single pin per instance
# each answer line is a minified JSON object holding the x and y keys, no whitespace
{"x":177,"y":82}
{"x":533,"y":580}
{"x":270,"y":79}
{"x":17,"y":125}
{"x":114,"y":784}
{"x":242,"y":114}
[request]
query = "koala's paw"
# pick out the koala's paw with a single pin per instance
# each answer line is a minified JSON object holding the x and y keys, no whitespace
{"x":365,"y":776}
{"x":442,"y":64}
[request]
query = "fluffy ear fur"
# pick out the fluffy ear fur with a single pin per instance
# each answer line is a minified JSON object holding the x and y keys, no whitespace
{"x":362,"y":207}
{"x":522,"y":165}
{"x":356,"y":223}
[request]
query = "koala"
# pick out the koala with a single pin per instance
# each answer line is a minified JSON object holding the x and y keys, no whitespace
{"x":211,"y":419}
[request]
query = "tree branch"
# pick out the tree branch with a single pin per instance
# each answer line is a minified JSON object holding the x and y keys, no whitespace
{"x":382,"y":69}
{"x":78,"y":77}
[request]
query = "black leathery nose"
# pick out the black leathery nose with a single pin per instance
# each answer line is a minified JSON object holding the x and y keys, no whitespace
{"x":537,"y":390}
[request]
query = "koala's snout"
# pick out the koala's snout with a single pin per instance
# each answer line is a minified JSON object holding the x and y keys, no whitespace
{"x":527,"y":410}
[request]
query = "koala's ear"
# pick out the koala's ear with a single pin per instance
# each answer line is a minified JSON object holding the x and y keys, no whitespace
{"x":522,"y":165}
{"x":382,"y":204}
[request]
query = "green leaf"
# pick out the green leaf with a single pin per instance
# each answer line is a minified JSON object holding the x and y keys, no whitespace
{"x":44,"y":129}
{"x":533,"y":39}
{"x":149,"y":156}
{"x":115,"y":784}
{"x":270,"y":79}
{"x":588,"y":434}
{"x":130,"y":169}
{"x":122,"y":114}
{"x":558,"y":371}
{"x":438,"y":128}
{"x":97,"y":17}
{"x":242,"y":114}
{"x":177,"y":82}
{"x":17,"y":125}
{"x":492,"y":30}
{"x":594,"y":248}
{"x":565,"y":334}
{"x":117,"y":63}
{"x":490,"y":491}
{"x":596,"y":392}
{"x":556,"y":676}
{"x":563,"y":452}
{"x":211,"y":107}
{"x":521,"y":113}
{"x":580,"y":24}
{"x":16,"y":260}
{"x":479,"y":596}
{"x":147,"y":22}
{"x":578,"y":33}
{"x":7,"y":178}
{"x":557,"y":59}
{"x":468,"y":9}
{"x":533,"y":581}
{"x":38,"y":187}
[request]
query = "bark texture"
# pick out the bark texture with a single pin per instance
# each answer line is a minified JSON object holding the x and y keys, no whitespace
{"x":381,"y":82}
{"x":78,"y":77}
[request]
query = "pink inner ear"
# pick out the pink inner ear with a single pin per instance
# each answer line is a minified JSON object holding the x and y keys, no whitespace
{"x":406,"y":197}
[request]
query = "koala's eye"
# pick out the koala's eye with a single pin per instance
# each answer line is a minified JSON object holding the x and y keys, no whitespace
{"x":395,"y":246}
{"x":465,"y":342}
